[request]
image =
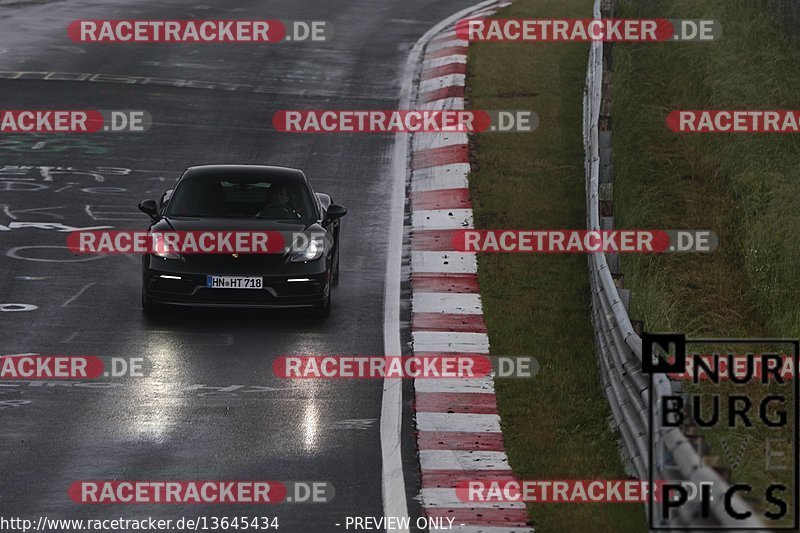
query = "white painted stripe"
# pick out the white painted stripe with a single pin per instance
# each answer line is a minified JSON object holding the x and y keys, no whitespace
{"x":441,"y":219}
{"x":444,"y":262}
{"x":460,"y":422}
{"x":446,"y":43}
{"x":458,"y":528}
{"x":442,"y":61}
{"x":441,"y":82}
{"x":483,"y":385}
{"x":447,"y":498}
{"x":78,"y":295}
{"x":453,"y":176}
{"x":393,"y":487}
{"x":427,"y":141}
{"x":462,"y":460}
{"x":488,"y":12}
{"x":449,"y":34}
{"x":451,"y":104}
{"x":446,"y":302}
{"x":446,"y":176}
{"x":447,"y":341}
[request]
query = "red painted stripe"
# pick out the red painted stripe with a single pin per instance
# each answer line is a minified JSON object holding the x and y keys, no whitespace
{"x":449,"y":479}
{"x":445,"y":155}
{"x":477,"y":403}
{"x":448,"y":322}
{"x":448,"y":35}
{"x":444,"y":70}
{"x":485,"y":517}
{"x":441,"y":199}
{"x":434,"y":240}
{"x":452,"y":91}
{"x":449,"y":51}
{"x":450,"y":354}
{"x":465,"y":402}
{"x":451,"y":440}
{"x":466,"y":283}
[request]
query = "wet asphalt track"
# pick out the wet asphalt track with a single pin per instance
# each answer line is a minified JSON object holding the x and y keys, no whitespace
{"x":209,"y":407}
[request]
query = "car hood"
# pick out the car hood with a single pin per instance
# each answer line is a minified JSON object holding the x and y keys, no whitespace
{"x":216,"y":262}
{"x":231,"y":224}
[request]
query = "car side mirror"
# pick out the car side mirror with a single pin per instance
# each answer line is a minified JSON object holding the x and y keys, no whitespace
{"x":150,"y":208}
{"x":335,"y":211}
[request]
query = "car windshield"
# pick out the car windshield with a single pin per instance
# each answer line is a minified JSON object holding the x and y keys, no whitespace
{"x":241,"y":197}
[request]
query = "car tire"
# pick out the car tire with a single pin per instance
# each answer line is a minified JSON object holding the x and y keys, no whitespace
{"x":335,"y":280}
{"x":323,"y":310}
{"x":149,"y":308}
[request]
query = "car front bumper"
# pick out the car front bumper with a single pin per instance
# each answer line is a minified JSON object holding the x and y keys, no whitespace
{"x":294,"y":285}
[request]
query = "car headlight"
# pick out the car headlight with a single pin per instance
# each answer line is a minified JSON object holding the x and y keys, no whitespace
{"x":308,"y":249}
{"x":160,"y":249}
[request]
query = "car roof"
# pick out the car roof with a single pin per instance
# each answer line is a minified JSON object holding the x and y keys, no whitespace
{"x":273,"y":173}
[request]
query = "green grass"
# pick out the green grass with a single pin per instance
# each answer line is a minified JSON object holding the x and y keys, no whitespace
{"x":556,"y":425}
{"x":744,"y":187}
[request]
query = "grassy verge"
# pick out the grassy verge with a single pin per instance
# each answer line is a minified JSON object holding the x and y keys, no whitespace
{"x":745,"y":187}
{"x":556,"y":425}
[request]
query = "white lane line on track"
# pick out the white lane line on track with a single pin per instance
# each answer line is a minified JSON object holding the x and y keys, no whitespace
{"x":392,"y":477}
{"x":78,"y":295}
{"x":393,"y":481}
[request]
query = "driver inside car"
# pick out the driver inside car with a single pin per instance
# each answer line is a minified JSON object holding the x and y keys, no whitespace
{"x":278,"y":203}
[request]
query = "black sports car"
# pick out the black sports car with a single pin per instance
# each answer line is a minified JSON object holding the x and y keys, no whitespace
{"x":252,"y":198}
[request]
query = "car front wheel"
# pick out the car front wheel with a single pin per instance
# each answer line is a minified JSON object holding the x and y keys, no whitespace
{"x":323,"y":310}
{"x":148,"y":308}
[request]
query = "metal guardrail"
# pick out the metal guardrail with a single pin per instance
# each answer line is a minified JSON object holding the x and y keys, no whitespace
{"x":619,"y":348}
{"x":788,"y":13}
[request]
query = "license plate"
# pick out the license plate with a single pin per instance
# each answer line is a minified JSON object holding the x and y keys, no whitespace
{"x":234,"y":282}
